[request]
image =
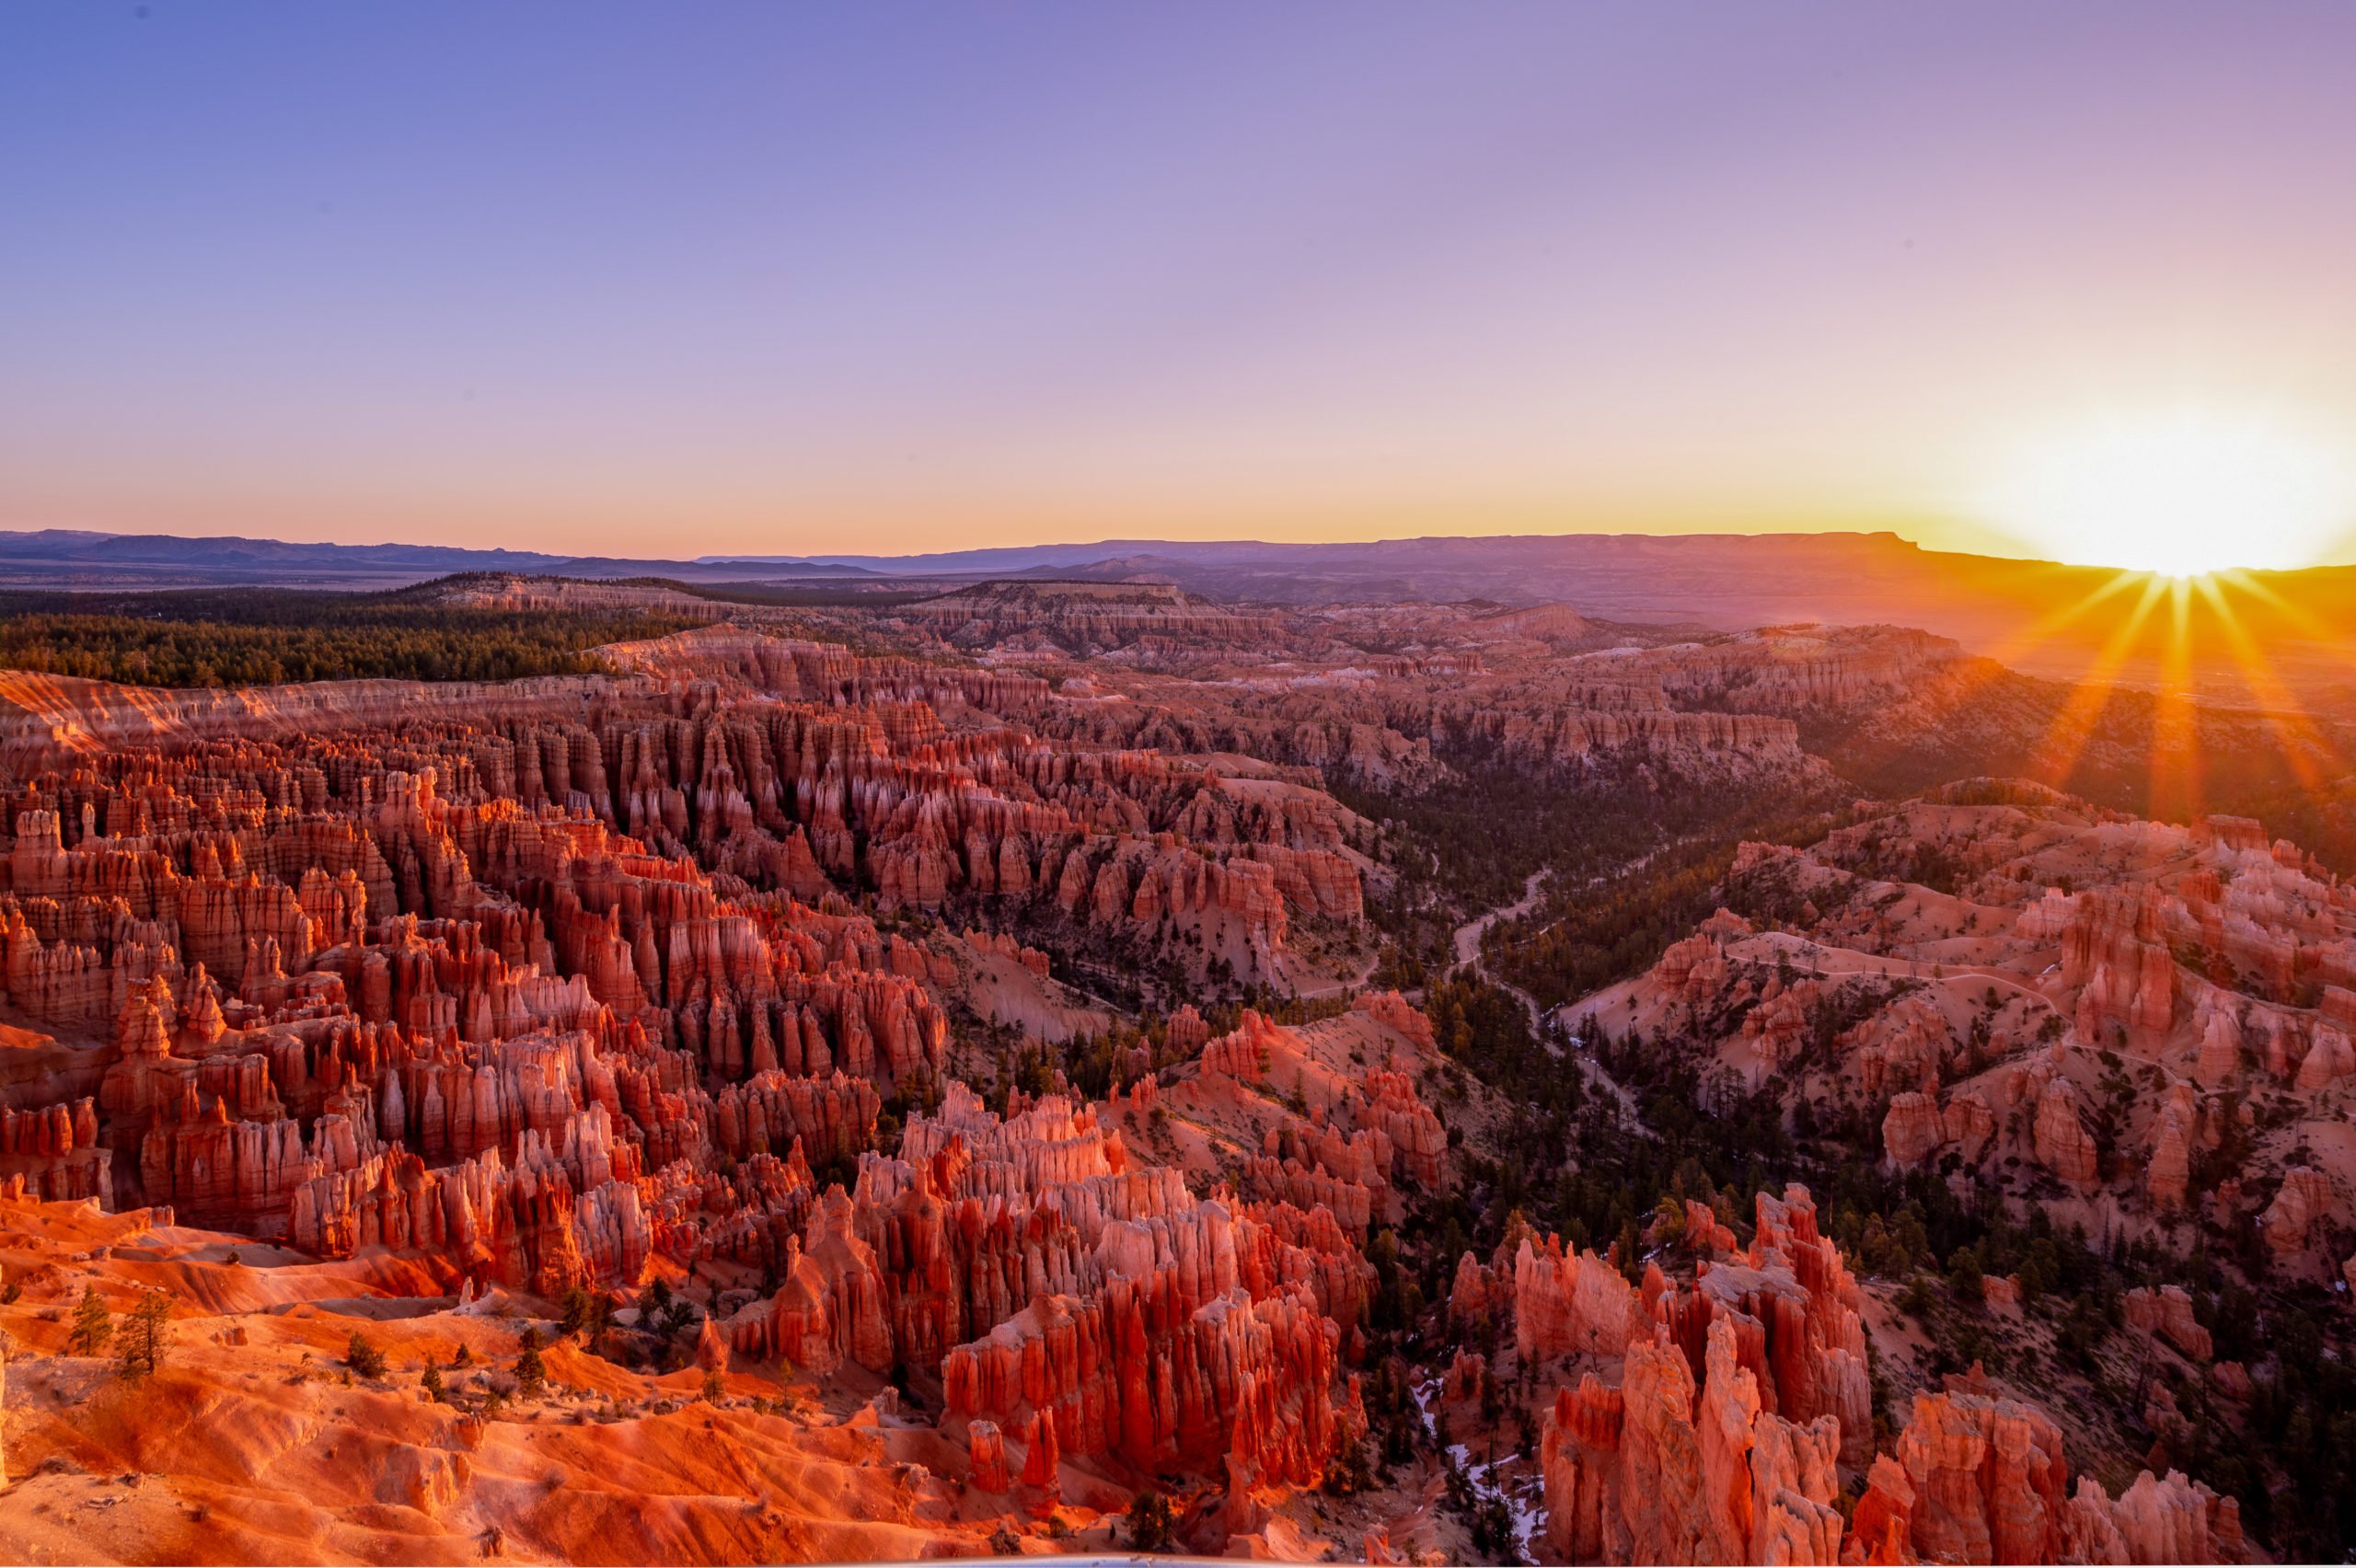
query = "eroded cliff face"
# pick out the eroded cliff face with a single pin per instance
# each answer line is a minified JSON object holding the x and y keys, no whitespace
{"x":2117,"y":1037}
{"x":431,"y":1009}
{"x":1087,"y":618}
{"x":1386,"y":694}
{"x":319,"y":934}
{"x":580,"y":986}
{"x":2126,"y":1031}
{"x":1725,"y":1418}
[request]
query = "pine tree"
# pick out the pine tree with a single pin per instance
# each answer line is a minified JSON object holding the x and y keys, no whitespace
{"x":92,"y":1327}
{"x":1150,"y":1522}
{"x":531,"y":1375}
{"x":143,"y":1335}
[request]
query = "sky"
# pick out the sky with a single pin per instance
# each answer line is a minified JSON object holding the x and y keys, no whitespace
{"x":779,"y":278}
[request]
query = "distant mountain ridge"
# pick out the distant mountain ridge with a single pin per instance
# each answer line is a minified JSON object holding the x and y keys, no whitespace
{"x":64,"y":558}
{"x":1432,"y":567}
{"x":2039,"y":616}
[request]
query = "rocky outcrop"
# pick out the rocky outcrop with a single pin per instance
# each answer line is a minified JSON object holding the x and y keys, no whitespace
{"x":2062,"y":1143}
{"x":1571,"y":1303}
{"x":1066,"y":1293}
{"x":1786,"y":1513}
{"x":1911,"y":1128}
{"x":2172,"y":1134}
{"x":1236,"y":1385}
{"x":54,"y":1152}
{"x":1738,"y":1461}
{"x":1579,"y":1459}
{"x":1393,"y":1108}
{"x":985,"y":1456}
{"x":2115,"y":946}
{"x":1914,"y":1127}
{"x":2289,"y":1220}
{"x":1091,"y":617}
{"x":1646,"y":1474}
{"x":1987,"y":1482}
{"x":2166,"y":1313}
{"x":1664,"y":1494}
{"x":1901,"y":1048}
{"x":2219,"y":1061}
{"x":711,"y":1350}
{"x":2172,"y":1520}
{"x":1977,"y":1479}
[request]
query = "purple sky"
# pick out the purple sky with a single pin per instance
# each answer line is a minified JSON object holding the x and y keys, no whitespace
{"x":782,"y":277}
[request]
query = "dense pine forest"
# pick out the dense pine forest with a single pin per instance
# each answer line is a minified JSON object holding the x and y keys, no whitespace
{"x":242,"y":637}
{"x":1630,"y":866}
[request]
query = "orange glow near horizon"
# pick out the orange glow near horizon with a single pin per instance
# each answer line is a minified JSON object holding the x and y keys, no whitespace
{"x":2183,"y":492}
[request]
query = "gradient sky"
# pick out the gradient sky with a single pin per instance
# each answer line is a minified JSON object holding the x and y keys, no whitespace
{"x":782,"y":278}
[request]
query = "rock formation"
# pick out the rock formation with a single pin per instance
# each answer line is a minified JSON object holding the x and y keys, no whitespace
{"x":2166,"y":1313}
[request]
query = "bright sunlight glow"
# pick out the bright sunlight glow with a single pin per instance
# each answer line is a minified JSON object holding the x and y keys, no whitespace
{"x":2183,"y":493}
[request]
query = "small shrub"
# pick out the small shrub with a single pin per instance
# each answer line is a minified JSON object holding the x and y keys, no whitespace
{"x":1150,"y":1522}
{"x":363,"y":1356}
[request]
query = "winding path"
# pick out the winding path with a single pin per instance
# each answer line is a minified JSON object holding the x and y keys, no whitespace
{"x":1839,"y":963}
{"x":1469,"y":935}
{"x":1543,"y":1026}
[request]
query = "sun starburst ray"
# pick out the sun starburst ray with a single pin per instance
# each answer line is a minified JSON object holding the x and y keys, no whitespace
{"x":2057,"y":752}
{"x":2300,"y":740}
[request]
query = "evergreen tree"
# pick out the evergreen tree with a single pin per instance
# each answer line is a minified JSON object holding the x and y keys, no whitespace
{"x":531,"y":1373}
{"x":92,"y":1325}
{"x":1150,"y":1522}
{"x":143,"y":1335}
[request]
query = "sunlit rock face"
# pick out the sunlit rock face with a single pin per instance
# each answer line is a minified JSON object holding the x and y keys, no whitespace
{"x":516,"y":992}
{"x":737,"y":970}
{"x":1737,"y":1454}
{"x":2083,"y":1011}
{"x":501,"y":974}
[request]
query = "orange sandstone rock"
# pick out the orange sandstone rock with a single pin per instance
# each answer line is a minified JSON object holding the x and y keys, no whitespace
{"x":2166,"y":1313}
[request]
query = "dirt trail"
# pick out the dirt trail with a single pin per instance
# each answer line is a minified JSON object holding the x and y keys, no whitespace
{"x":1548,"y":1028}
{"x":1816,"y":958}
{"x":1468,"y":953}
{"x":1469,"y":935}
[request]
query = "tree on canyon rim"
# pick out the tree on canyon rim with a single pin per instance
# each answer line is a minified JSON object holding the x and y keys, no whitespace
{"x":92,"y":1326}
{"x":143,"y":1335}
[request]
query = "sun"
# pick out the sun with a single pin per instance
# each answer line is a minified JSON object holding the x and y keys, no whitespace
{"x":2183,"y":492}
